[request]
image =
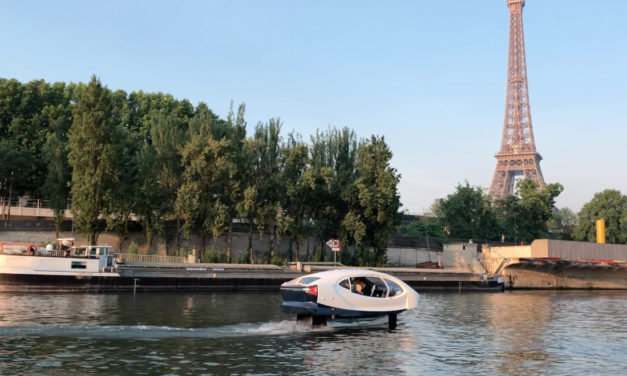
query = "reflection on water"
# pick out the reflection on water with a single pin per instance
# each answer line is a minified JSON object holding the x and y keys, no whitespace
{"x":540,"y":332}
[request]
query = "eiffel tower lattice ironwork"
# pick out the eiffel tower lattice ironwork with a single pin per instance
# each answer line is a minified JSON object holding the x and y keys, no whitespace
{"x":517,"y":157}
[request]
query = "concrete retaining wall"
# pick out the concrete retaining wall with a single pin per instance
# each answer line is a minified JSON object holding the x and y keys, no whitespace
{"x":567,"y":250}
{"x":405,"y":256}
{"x":578,"y":250}
{"x":548,"y":277}
{"x":261,"y":245}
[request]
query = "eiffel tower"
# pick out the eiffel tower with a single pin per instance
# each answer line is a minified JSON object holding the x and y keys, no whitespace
{"x":517,"y":157}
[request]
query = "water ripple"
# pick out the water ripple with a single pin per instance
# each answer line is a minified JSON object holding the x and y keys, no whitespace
{"x":575,"y":333}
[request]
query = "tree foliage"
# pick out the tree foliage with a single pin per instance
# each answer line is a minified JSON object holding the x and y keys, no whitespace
{"x":423,"y":229}
{"x":610,"y":205}
{"x":374,"y":209}
{"x":207,"y":171}
{"x":331,"y":177}
{"x":261,"y":189}
{"x":563,"y":223}
{"x":91,"y":155}
{"x":117,"y":156}
{"x":296,"y":202}
{"x":55,"y":155}
{"x":524,"y":216}
{"x":29,"y":113}
{"x":467,"y":214}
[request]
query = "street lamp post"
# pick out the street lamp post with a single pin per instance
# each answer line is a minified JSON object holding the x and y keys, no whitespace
{"x":10,"y":192}
{"x":428,"y":246}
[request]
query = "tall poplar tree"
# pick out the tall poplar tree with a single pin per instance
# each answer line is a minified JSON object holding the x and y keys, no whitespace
{"x":92,"y":136}
{"x":207,"y":172}
{"x":159,"y":174}
{"x":261,"y":192}
{"x":236,"y":130}
{"x":55,"y":152}
{"x":332,"y":177}
{"x":295,"y":203}
{"x":375,"y":207}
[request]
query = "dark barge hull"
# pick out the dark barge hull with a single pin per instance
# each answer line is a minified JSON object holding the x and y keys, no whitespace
{"x":54,"y":283}
{"x":492,"y":285}
{"x":176,"y":279}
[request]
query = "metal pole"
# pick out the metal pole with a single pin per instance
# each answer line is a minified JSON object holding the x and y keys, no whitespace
{"x":428,"y":247}
{"x":515,"y":228}
{"x":10,"y":192}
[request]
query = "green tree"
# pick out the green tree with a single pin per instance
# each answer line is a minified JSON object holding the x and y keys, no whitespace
{"x":23,"y":120}
{"x":271,"y":188}
{"x":57,"y":187}
{"x":207,"y":173}
{"x":150,"y":201}
{"x":610,"y":205}
{"x":121,"y":200}
{"x":375,"y":206}
{"x":159,"y":175}
{"x":91,"y":156}
{"x":141,"y":109}
{"x":295,"y":203}
{"x":29,"y":128}
{"x":260,"y":204}
{"x":467,"y":214}
{"x":331,"y":177}
{"x":425,"y":228}
{"x":10,"y":97}
{"x":236,"y":132}
{"x":525,"y":215}
{"x":14,"y":165}
{"x":563,"y":223}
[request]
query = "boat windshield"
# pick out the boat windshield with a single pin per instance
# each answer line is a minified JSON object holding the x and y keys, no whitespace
{"x":395,"y":289}
{"x":345,"y":283}
{"x":369,"y":286}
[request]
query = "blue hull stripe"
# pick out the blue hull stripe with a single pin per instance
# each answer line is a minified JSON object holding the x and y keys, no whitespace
{"x":312,"y":308}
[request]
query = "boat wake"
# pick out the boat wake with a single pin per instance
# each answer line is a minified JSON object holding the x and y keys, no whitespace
{"x":148,"y":332}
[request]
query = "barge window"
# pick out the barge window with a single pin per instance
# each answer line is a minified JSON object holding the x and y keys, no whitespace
{"x":80,"y":252}
{"x":79,"y":265}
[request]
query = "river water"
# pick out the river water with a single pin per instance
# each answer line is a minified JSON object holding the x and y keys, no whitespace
{"x":511,"y":333}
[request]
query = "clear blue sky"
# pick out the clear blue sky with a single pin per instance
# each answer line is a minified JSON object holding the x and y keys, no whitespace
{"x":428,"y":75}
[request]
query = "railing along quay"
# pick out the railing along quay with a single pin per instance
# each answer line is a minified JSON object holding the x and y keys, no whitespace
{"x":150,"y":259}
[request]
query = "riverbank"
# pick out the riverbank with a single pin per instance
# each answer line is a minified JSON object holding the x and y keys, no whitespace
{"x":144,"y":276}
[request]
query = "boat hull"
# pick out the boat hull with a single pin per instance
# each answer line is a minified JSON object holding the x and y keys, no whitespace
{"x":314,"y":309}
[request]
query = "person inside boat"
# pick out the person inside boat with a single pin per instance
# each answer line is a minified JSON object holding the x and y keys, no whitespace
{"x":358,"y":286}
{"x":66,"y":247}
